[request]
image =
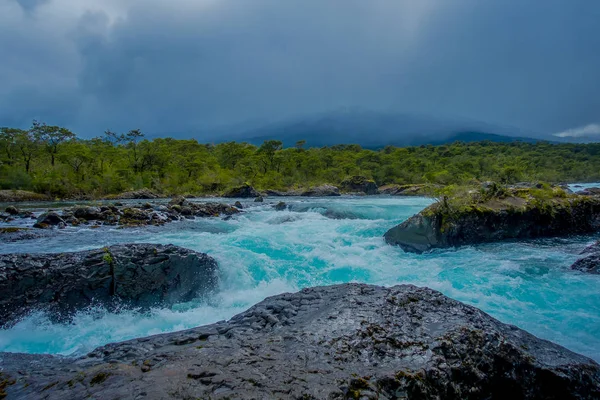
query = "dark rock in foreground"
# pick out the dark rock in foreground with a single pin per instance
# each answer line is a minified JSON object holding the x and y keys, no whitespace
{"x":591,"y":262}
{"x":339,"y":342}
{"x":140,"y":275}
{"x":515,"y":215}
{"x":244,"y":191}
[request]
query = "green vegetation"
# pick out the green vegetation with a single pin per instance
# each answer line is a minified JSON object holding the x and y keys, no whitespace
{"x":456,"y":202}
{"x":54,"y":161}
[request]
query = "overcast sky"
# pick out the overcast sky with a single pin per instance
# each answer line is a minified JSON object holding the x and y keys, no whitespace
{"x":180,"y":65}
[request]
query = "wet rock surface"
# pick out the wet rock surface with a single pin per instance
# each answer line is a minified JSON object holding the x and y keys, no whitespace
{"x":15,"y":234}
{"x":139,"y":275}
{"x":590,"y":263}
{"x":339,"y":342}
{"x":48,"y":220}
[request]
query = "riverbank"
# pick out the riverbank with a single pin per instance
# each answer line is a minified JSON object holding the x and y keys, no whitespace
{"x":357,"y":186}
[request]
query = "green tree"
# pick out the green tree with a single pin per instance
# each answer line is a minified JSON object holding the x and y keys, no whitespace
{"x":51,"y":137}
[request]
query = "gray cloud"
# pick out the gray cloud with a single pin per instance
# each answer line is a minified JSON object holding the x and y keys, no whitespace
{"x":185,"y":65}
{"x":580,"y":132}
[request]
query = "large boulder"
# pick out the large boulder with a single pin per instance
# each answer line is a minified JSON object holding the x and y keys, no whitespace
{"x":339,"y":342}
{"x":590,"y":263}
{"x":12,"y":210}
{"x":48,"y":220}
{"x":87,"y":213}
{"x":322,"y":191}
{"x":513,"y":216}
{"x":243,"y":191}
{"x":359,"y":184}
{"x":140,"y":275}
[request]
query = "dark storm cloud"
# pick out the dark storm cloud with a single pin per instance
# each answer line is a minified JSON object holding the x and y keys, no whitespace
{"x":183,"y":65}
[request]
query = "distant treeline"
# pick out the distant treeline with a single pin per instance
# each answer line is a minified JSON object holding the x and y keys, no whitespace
{"x":53,"y":160}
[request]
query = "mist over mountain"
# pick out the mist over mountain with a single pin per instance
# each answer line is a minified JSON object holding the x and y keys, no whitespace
{"x":373,"y":129}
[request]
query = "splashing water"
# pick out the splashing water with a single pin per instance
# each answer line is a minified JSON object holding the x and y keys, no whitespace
{"x":263,"y":252}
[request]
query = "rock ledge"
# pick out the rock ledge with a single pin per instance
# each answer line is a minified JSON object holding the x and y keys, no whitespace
{"x":141,"y":275}
{"x":339,"y":342}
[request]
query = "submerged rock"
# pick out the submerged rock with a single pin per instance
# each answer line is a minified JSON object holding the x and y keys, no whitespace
{"x":339,"y":214}
{"x":244,"y":191}
{"x":281,"y":206}
{"x":277,"y":193}
{"x":322,"y":191}
{"x":591,"y":262}
{"x":135,"y":274}
{"x":359,"y":184}
{"x":12,"y":210}
{"x":17,"y":234}
{"x":517,"y":214}
{"x":239,"y":205}
{"x":259,"y":199}
{"x":339,"y":342}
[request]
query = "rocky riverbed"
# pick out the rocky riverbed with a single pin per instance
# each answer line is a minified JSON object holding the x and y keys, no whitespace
{"x":338,"y":342}
{"x":309,"y":242}
{"x":119,"y":214}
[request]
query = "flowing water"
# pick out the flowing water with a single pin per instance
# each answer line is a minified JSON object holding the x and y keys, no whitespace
{"x":263,"y":252}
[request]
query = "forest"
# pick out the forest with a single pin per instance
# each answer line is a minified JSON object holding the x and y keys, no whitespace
{"x":53,"y":160}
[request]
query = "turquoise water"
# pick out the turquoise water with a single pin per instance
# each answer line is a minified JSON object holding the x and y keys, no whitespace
{"x":263,"y":252}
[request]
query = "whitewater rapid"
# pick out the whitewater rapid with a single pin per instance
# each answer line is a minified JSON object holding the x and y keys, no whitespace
{"x":263,"y":252}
